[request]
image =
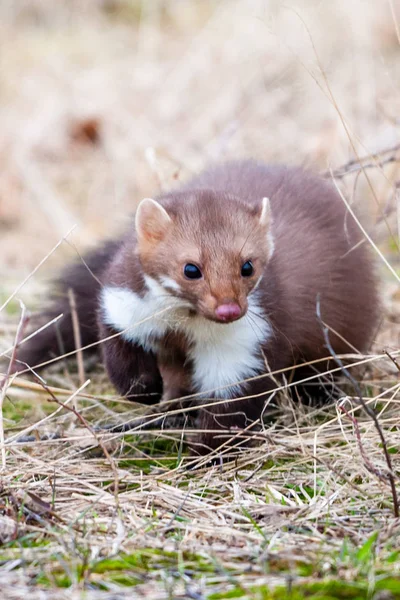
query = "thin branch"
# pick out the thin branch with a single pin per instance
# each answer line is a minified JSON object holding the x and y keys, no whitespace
{"x":21,"y":435}
{"x":394,"y":361}
{"x":90,"y":429}
{"x":6,"y":380}
{"x":371,"y":468}
{"x":357,"y":164}
{"x":33,"y":334}
{"x":36,"y":269}
{"x":369,"y":411}
{"x":365,"y":234}
{"x":77,"y":337}
{"x":395,"y":21}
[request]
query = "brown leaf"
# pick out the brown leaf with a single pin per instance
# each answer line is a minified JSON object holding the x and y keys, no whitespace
{"x":86,"y":131}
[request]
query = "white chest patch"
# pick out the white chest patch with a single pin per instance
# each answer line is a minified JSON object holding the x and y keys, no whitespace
{"x":146,"y":319}
{"x":222,"y":354}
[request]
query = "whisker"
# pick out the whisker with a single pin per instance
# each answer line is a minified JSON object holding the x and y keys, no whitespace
{"x":253,"y":324}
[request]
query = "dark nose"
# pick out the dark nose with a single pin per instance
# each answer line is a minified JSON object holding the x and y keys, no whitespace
{"x":228,"y":312}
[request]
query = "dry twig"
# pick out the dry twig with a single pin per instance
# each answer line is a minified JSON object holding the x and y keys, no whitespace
{"x":23,"y":322}
{"x":369,"y":411}
{"x":77,"y":337}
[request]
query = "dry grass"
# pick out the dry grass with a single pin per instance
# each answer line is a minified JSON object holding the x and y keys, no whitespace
{"x":105,"y":102}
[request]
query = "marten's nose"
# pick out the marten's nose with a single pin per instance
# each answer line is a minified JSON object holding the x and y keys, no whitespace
{"x":228,"y":312}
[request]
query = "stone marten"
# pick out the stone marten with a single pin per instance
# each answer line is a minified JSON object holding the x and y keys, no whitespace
{"x":218,"y":282}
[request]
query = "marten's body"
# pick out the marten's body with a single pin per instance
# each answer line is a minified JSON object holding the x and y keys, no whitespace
{"x":217,"y":285}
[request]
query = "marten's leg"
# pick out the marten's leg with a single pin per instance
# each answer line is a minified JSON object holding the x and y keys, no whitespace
{"x":175,"y":367}
{"x":176,"y":382}
{"x":131,"y":369}
{"x":222,"y":422}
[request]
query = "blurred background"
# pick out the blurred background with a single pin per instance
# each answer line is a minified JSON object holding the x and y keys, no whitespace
{"x":103,"y":102}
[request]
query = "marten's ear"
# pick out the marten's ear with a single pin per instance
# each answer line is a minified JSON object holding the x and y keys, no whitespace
{"x":265,"y":213}
{"x":265,"y":222}
{"x":151,"y":221}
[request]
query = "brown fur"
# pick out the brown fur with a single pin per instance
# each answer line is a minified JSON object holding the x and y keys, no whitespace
{"x":215,"y":223}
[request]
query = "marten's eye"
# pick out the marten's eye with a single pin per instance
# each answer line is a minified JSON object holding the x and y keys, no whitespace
{"x":192,"y":272}
{"x":247,"y":269}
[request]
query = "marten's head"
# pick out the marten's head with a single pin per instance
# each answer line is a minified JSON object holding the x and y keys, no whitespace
{"x":206,"y":248}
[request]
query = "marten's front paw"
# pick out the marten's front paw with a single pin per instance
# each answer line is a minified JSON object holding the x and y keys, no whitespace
{"x":220,"y":444}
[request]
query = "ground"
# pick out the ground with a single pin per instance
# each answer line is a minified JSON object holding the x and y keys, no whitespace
{"x":103,"y":103}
